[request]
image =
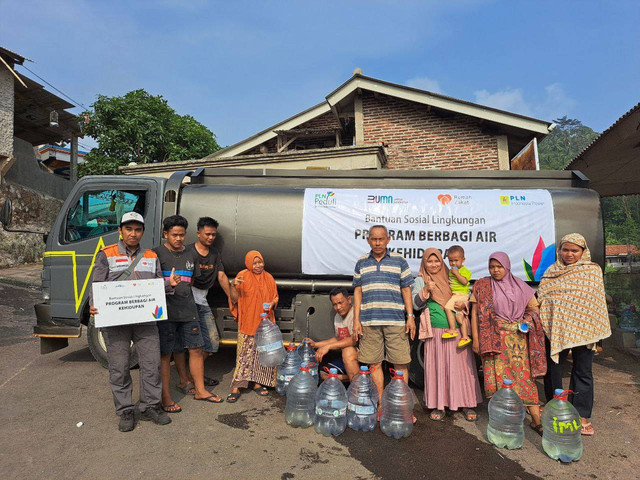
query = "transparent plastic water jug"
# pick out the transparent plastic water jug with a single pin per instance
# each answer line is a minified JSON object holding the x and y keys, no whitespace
{"x":331,"y":406}
{"x":287,"y":369}
{"x":308,"y":355}
{"x":396,"y":418}
{"x":362,"y":402}
{"x":301,"y":398}
{"x":506,"y":417}
{"x":269,"y":342}
{"x":562,"y":429}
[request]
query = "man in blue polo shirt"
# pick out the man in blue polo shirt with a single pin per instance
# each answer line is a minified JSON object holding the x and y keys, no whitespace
{"x":382,"y":296}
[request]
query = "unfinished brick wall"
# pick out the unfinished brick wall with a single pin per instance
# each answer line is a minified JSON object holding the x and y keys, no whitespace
{"x":418,"y":139}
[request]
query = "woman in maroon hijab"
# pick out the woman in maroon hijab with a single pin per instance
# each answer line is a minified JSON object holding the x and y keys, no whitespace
{"x":507,"y":334}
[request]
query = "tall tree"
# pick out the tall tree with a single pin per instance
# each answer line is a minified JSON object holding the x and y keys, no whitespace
{"x":141,"y":128}
{"x":563,"y":144}
{"x":566,"y":141}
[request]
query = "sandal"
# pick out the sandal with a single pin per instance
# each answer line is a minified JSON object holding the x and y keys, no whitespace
{"x":210,"y":382}
{"x":233,"y":397}
{"x":536,"y":428}
{"x":470,"y":415}
{"x":587,"y":429}
{"x":187,"y":389}
{"x":464,"y":342}
{"x":262,"y":391}
{"x":449,"y":334}
{"x":436,"y":415}
{"x":210,"y":399}
{"x":173,"y":408}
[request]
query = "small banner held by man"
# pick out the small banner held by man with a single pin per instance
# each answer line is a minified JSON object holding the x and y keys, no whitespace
{"x":129,"y":302}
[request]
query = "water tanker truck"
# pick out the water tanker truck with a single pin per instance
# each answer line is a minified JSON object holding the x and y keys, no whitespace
{"x":311,"y":227}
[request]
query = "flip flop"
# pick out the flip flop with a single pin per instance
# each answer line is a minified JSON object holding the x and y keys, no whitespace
{"x":262,"y":391}
{"x":187,"y":389}
{"x":587,"y":429}
{"x":216,"y":399}
{"x":233,"y":397}
{"x":470,"y":415}
{"x":171,"y":408}
{"x":436,"y":415}
{"x":210,"y":382}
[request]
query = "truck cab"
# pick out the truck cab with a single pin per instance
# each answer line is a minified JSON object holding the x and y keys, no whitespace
{"x":87,"y":222}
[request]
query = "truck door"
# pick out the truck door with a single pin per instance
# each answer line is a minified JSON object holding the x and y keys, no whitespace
{"x":89,"y":221}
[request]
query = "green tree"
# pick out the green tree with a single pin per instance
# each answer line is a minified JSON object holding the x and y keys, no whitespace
{"x":566,"y":141}
{"x":142,"y":128}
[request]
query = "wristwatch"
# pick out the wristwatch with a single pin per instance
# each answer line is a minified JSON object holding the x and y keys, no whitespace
{"x":411,"y":315}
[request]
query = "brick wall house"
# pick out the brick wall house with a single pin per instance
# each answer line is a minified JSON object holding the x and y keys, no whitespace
{"x":413,"y":129}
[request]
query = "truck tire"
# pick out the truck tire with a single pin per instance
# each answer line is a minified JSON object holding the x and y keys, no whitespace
{"x":416,"y":367}
{"x":98,"y":348}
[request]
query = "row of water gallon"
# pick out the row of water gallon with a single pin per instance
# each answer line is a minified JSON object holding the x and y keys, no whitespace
{"x":561,"y":424}
{"x":331,"y":408}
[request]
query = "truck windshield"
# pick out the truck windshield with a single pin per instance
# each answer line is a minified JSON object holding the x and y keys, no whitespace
{"x":99,"y":212}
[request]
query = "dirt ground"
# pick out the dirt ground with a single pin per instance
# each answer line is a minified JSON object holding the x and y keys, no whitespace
{"x":43,"y":398}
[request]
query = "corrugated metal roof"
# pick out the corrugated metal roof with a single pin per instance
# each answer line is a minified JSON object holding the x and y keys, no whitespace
{"x":16,"y":57}
{"x":604,"y":133}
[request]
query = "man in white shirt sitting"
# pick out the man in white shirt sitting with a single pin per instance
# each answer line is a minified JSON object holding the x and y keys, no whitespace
{"x":339,"y":351}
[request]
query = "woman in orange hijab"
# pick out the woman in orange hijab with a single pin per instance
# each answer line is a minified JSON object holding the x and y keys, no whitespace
{"x":249,"y":291}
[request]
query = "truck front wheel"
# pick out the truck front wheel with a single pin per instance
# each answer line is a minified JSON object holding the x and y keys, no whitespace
{"x":98,"y":347}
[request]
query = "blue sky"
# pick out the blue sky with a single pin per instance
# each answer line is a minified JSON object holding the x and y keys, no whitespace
{"x":240,"y":66}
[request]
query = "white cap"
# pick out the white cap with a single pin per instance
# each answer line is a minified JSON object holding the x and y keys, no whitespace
{"x":132,"y":217}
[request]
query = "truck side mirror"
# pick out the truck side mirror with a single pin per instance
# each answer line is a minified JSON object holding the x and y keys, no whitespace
{"x":7,"y":213}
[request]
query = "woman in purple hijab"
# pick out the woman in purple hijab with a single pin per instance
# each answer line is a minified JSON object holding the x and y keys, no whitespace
{"x":507,"y":334}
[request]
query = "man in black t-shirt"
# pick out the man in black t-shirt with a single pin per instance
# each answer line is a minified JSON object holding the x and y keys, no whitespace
{"x":209,"y":268}
{"x":182,"y":327}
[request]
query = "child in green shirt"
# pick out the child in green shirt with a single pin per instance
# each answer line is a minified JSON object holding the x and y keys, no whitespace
{"x":459,"y":277}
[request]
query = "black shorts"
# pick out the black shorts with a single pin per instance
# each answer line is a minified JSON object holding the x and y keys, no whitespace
{"x":173,"y":334}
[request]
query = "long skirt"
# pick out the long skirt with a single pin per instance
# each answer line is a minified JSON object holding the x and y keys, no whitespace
{"x":248,"y":367}
{"x":511,"y":363}
{"x":450,"y":377}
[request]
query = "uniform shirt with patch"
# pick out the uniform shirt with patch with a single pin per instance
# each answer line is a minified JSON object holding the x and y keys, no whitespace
{"x":181,"y":306}
{"x":343,"y":325}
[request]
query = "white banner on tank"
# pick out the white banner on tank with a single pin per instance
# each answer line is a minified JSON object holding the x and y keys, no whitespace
{"x":518,"y":222}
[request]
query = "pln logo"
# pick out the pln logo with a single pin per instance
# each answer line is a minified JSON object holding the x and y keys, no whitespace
{"x":444,"y":199}
{"x":327,"y":199}
{"x":509,"y":199}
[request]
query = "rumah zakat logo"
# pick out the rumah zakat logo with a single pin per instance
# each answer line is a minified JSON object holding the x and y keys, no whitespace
{"x":444,"y":199}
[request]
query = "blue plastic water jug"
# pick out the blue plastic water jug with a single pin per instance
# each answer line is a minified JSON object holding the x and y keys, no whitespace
{"x":301,"y":399}
{"x":562,"y":429}
{"x":396,"y":418}
{"x":287,"y":369}
{"x":269,"y":343}
{"x":506,"y":417}
{"x":362,"y":405}
{"x":331,"y":406}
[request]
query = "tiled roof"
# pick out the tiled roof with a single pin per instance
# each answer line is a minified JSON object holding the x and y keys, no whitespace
{"x":613,"y":250}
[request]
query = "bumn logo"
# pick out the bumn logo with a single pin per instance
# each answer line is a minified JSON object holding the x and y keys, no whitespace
{"x":379,"y":198}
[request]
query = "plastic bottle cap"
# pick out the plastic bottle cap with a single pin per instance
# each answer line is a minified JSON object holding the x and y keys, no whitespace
{"x":266,"y":305}
{"x":507,"y":383}
{"x":558,"y":391}
{"x":399,"y":374}
{"x":263,"y":315}
{"x":364,"y":369}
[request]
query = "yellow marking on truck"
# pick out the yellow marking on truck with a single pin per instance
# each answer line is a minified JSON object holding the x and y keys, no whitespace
{"x":71,"y":253}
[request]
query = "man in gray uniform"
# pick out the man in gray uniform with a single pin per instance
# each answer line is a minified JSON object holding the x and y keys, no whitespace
{"x":125,"y":260}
